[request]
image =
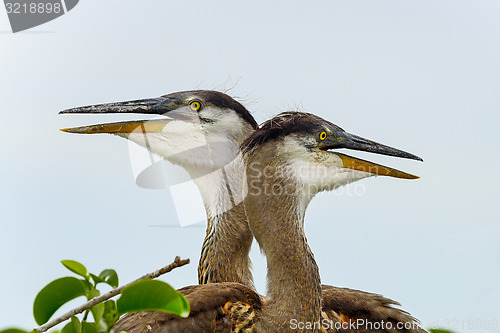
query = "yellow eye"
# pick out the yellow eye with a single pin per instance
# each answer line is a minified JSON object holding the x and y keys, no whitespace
{"x":195,"y":105}
{"x":322,"y":135}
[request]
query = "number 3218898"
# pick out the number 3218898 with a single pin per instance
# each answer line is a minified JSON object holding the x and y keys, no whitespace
{"x":33,"y":8}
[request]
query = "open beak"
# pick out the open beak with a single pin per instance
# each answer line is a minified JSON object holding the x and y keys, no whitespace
{"x":169,"y":106}
{"x":160,"y":105}
{"x":340,"y":139}
{"x":125,"y":127}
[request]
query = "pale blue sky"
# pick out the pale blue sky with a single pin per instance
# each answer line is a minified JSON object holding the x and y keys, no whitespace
{"x":421,"y":76}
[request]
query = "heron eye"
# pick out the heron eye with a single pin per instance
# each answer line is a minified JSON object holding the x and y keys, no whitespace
{"x":322,"y":135}
{"x":195,"y":105}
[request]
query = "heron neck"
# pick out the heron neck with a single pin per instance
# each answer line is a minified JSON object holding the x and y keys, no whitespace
{"x":228,"y":239}
{"x":226,"y":248}
{"x":294,"y":286}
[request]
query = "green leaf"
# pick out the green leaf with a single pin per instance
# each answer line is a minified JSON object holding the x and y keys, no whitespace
{"x":110,"y":315}
{"x":96,"y":279}
{"x":87,"y":284}
{"x":89,"y":328}
{"x":110,"y":277}
{"x":68,"y":329}
{"x":73,"y":326}
{"x":75,"y":267}
{"x":152,"y":295}
{"x":97,"y":312}
{"x":93,"y":293}
{"x":107,"y":276}
{"x":13,"y":330}
{"x":76,"y":327}
{"x":98,"y":309}
{"x":54,"y":295}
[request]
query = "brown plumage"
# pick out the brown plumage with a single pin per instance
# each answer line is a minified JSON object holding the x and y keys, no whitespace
{"x":343,"y":304}
{"x":221,"y":307}
{"x":231,"y":307}
{"x":215,"y":307}
{"x":225,"y":250}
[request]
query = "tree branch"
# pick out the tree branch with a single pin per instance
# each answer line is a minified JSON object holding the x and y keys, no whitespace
{"x":104,"y":297}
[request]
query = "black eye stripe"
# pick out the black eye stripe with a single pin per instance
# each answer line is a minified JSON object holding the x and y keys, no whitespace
{"x":206,"y":120}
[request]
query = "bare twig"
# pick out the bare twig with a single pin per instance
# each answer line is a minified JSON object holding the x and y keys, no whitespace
{"x":104,"y":297}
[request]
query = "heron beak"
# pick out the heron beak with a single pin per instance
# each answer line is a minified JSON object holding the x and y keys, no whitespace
{"x":125,"y":127}
{"x":169,"y":106}
{"x":160,"y":105}
{"x":376,"y":169}
{"x":340,"y":139}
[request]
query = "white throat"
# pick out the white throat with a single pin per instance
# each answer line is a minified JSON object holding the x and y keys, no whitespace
{"x":212,"y":159}
{"x":322,"y":171}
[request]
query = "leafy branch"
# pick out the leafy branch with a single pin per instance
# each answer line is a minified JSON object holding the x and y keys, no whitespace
{"x":141,"y":294}
{"x":114,"y":292}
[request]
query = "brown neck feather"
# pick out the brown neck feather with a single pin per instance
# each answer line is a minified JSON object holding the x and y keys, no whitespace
{"x":228,"y":239}
{"x":226,"y":248}
{"x":276,"y":219}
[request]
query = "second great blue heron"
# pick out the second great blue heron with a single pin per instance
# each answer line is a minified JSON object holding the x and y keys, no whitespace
{"x":289,"y":151}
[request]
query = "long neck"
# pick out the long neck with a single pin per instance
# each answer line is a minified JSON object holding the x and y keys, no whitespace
{"x":225,"y":250}
{"x":276,"y":216}
{"x":214,"y":163}
{"x":228,"y":239}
